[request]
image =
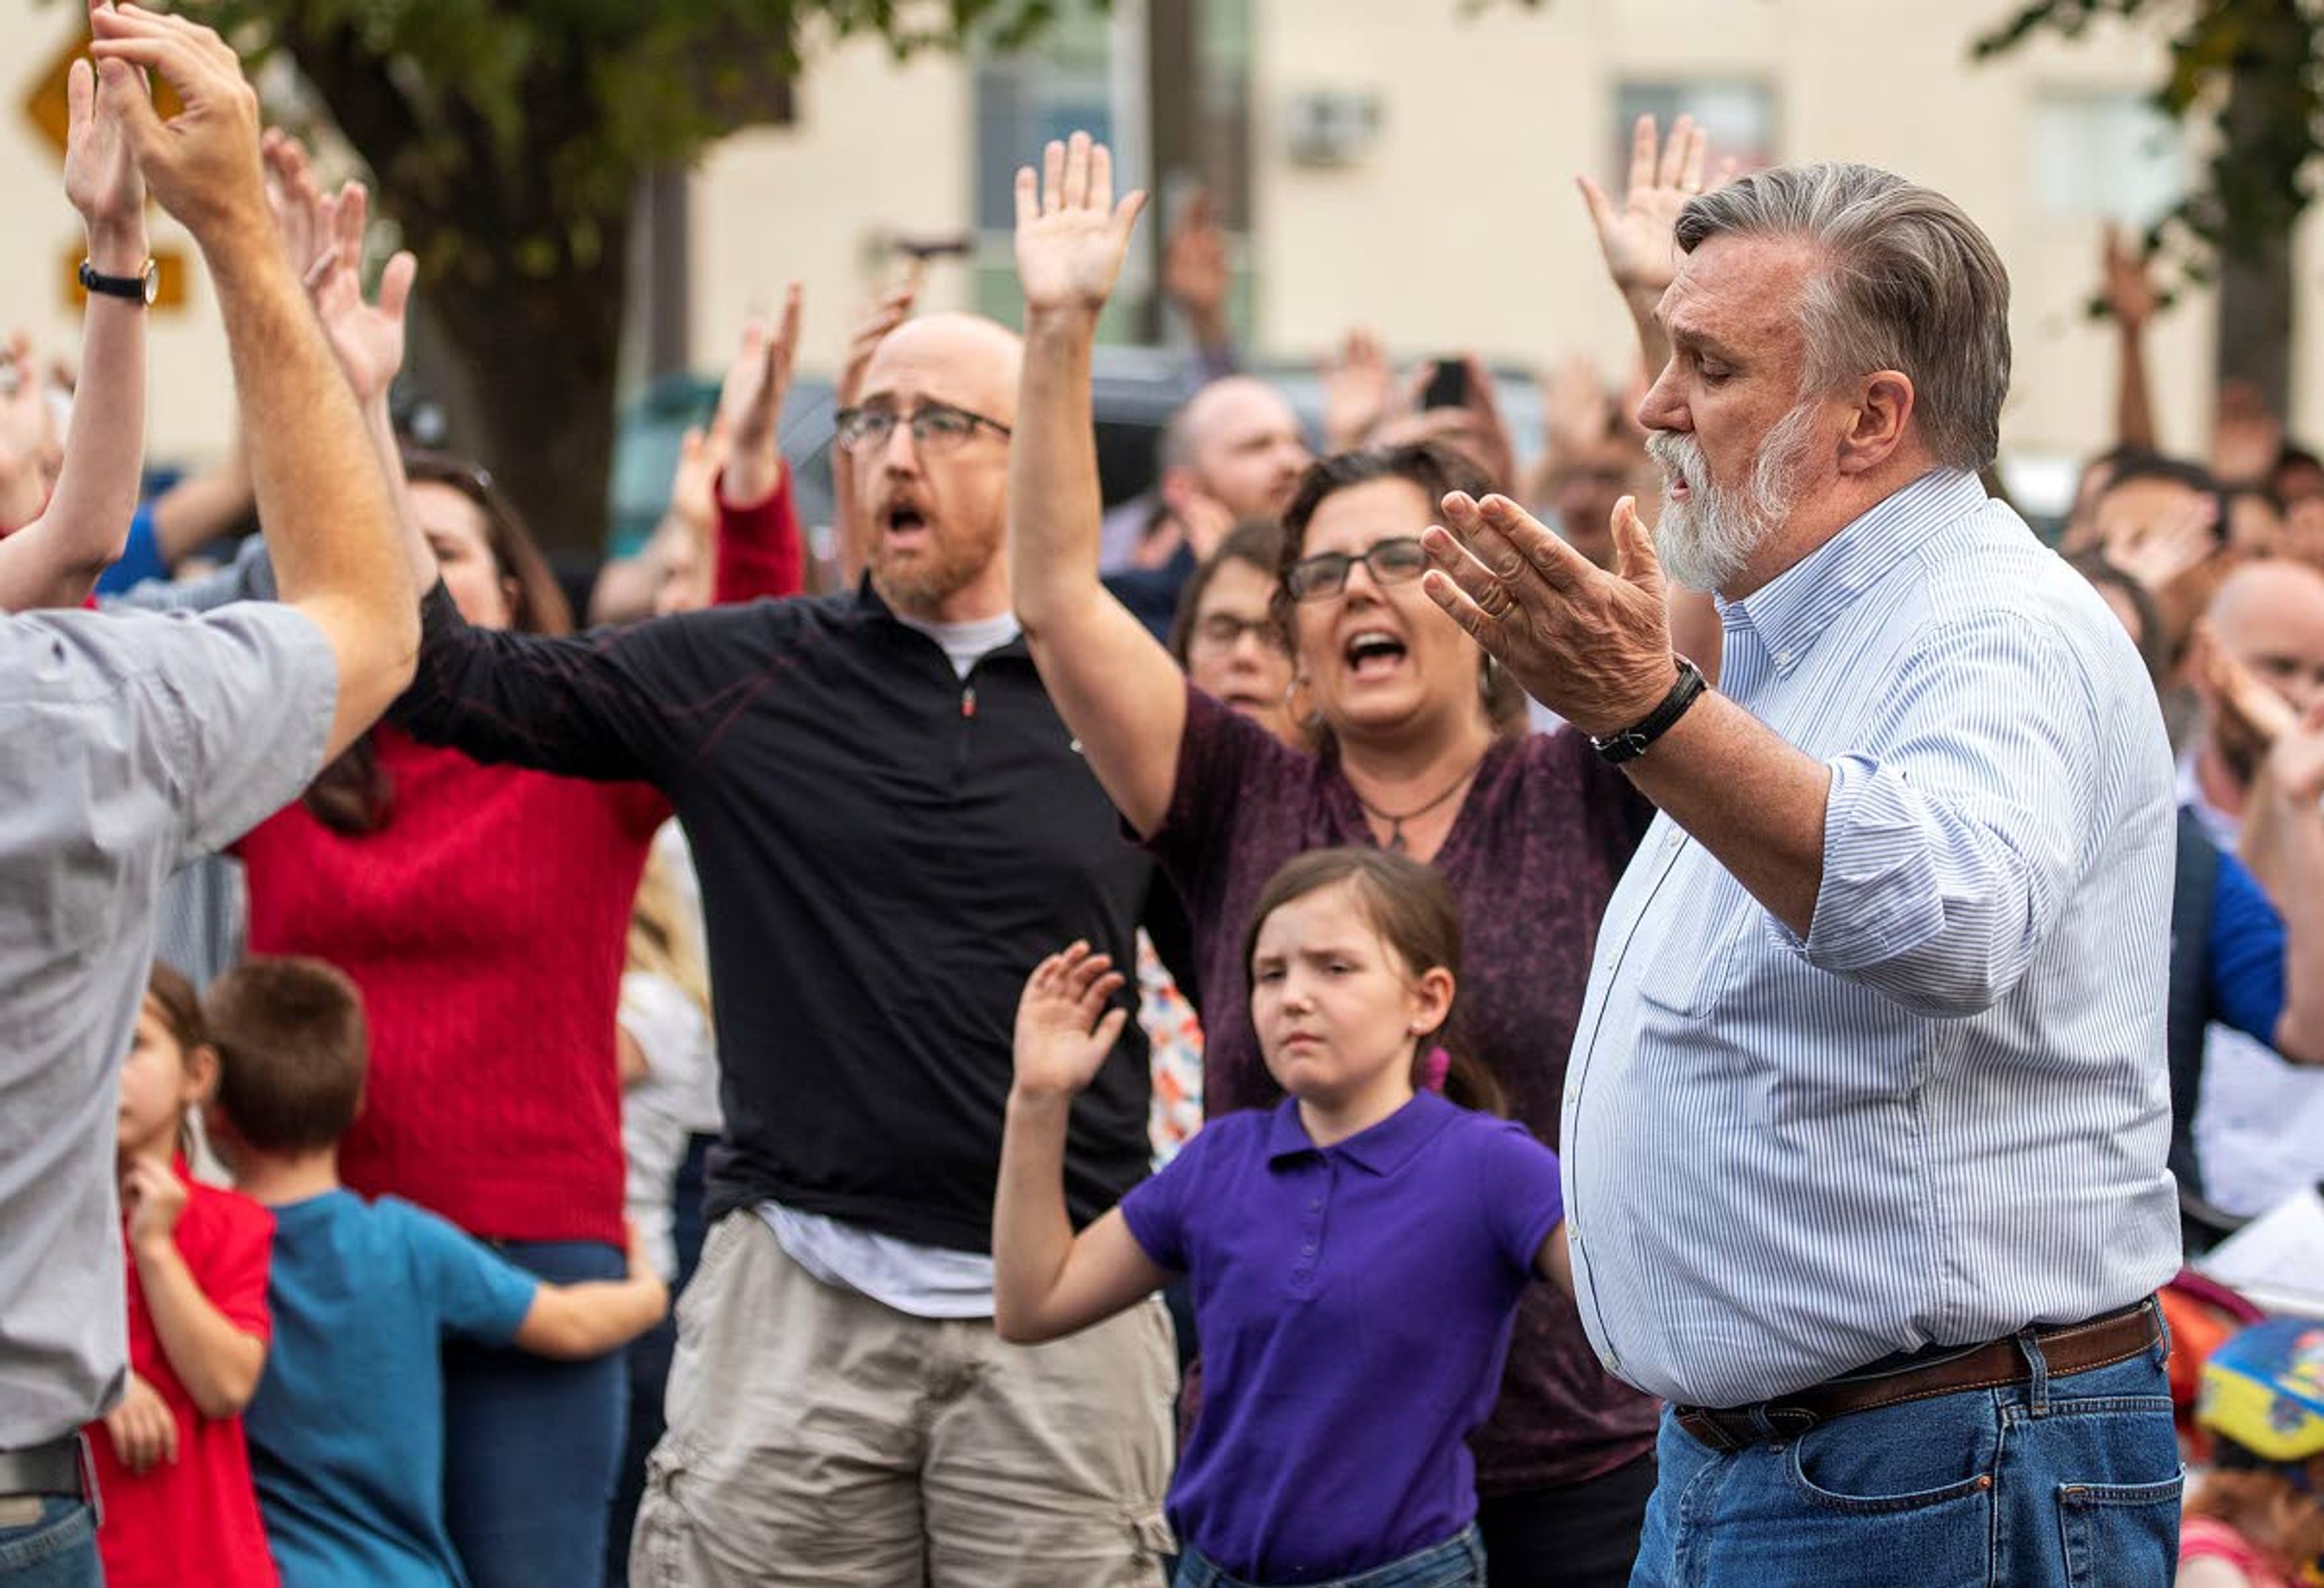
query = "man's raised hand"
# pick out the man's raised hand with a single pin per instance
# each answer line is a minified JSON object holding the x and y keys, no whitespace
{"x":202,"y":163}
{"x":750,"y":401}
{"x":1071,"y":235}
{"x":1196,"y":275}
{"x":1639,"y":237}
{"x":1592,"y":646}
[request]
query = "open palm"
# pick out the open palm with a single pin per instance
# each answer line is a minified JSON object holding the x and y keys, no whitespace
{"x":101,"y":176}
{"x":367,"y":336}
{"x":1641,"y":253}
{"x":1064,"y":1029}
{"x":1071,"y":235}
{"x":750,"y":398}
{"x":323,"y":236}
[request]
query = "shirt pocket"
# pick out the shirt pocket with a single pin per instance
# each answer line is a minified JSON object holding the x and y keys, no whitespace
{"x":1693,"y":964}
{"x":78,"y":854}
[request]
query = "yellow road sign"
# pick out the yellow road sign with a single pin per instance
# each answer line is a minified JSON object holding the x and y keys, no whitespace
{"x":49,"y":108}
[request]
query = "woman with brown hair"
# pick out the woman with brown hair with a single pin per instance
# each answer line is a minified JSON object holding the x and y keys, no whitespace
{"x":482,"y":910}
{"x":1530,"y":832}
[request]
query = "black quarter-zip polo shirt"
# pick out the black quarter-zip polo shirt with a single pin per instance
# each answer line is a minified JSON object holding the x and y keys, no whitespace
{"x":886,"y":849}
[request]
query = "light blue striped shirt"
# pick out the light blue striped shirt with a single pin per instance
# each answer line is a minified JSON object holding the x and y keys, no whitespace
{"x":1944,"y":1114}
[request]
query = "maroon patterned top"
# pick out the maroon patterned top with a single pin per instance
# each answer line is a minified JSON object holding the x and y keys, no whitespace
{"x":1540,"y":840}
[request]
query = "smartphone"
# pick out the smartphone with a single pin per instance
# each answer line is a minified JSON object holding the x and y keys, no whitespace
{"x":1448,"y":385}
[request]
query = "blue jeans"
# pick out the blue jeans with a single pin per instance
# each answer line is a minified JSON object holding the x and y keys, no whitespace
{"x":1457,"y":1562}
{"x":57,"y":1551}
{"x":2042,"y":1484}
{"x":532,"y":1446}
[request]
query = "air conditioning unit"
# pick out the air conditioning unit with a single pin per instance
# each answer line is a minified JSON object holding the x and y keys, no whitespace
{"x":1330,"y":128}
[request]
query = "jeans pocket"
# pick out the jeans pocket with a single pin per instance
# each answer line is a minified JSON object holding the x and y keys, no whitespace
{"x":1860,"y":1465}
{"x":57,"y":1551}
{"x":2120,"y":1532}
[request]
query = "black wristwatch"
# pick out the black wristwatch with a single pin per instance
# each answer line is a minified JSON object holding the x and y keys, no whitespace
{"x":139,"y":289}
{"x":1632,"y":742}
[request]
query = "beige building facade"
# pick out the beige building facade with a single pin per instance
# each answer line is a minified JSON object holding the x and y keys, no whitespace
{"x":1403,"y":164}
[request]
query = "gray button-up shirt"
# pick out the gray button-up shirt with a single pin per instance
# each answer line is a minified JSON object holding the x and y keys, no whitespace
{"x":1943,"y":1114}
{"x":127,"y":743}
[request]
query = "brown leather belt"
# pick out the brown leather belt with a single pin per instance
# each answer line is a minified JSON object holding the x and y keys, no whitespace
{"x":2073,"y":1348}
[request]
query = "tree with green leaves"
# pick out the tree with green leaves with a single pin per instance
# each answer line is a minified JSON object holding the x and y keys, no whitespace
{"x":508,"y":139}
{"x":2252,"y":66}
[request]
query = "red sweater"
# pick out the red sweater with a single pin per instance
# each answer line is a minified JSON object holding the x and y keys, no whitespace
{"x":486,"y":925}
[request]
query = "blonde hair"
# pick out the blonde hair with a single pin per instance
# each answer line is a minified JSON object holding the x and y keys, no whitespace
{"x":662,"y":939}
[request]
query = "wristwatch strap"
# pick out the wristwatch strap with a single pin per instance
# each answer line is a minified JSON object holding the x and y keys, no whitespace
{"x":137,"y":288}
{"x":1633,"y":741}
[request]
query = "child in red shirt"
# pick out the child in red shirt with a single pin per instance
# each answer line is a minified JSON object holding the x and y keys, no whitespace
{"x":172,"y":1471}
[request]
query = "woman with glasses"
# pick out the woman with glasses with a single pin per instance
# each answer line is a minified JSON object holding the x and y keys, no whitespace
{"x":1531,"y":832}
{"x":1227,"y":636}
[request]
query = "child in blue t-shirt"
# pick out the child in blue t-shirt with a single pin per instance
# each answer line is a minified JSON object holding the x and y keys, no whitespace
{"x":346,"y":1430}
{"x":1356,"y":1254}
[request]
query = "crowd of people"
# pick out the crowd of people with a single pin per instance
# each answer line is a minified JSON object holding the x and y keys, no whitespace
{"x":1376,"y":1014}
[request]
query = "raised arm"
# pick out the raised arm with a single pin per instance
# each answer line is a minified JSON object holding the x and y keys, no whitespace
{"x":750,"y":401}
{"x":320,"y":491}
{"x":1636,"y":235}
{"x":1047,"y":1280}
{"x":2130,"y":301}
{"x":1196,"y":278}
{"x":1112,"y":681}
{"x":757,"y":549}
{"x":1926,"y":865}
{"x":561,"y":705}
{"x":322,"y":236}
{"x":55,"y":559}
{"x":203,"y":506}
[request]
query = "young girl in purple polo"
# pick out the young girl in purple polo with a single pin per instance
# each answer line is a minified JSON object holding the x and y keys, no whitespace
{"x":1356,"y":1254}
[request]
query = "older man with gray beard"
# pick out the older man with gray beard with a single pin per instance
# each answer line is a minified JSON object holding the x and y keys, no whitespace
{"x":1866,"y":1121}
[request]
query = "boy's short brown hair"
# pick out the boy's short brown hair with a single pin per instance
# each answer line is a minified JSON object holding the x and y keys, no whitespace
{"x":291,"y":1048}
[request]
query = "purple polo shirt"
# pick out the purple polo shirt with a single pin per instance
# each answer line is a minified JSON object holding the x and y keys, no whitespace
{"x":1541,"y":837}
{"x":1354,"y":1304}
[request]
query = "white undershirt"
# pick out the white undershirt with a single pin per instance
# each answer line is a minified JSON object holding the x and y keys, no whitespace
{"x":965,"y":644}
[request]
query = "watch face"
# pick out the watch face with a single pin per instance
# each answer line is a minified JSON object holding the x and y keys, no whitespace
{"x":152,"y":278}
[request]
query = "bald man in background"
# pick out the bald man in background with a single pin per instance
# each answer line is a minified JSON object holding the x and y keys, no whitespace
{"x":891,"y":825}
{"x":2259,"y":1118}
{"x":1235,"y":450}
{"x":2269,"y":617}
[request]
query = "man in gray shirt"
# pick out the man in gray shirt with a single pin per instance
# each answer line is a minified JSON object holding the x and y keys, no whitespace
{"x":129,"y":742}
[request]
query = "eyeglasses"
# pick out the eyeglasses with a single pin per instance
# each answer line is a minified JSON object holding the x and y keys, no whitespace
{"x":1325,"y":574}
{"x":937,"y":426}
{"x":1223,"y":630}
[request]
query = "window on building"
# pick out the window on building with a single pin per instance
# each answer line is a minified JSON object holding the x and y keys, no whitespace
{"x":1090,"y":71}
{"x":2106,"y":156}
{"x":1737,"y":113}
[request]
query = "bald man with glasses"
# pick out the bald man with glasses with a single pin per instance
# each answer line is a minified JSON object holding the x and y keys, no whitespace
{"x":891,"y":825}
